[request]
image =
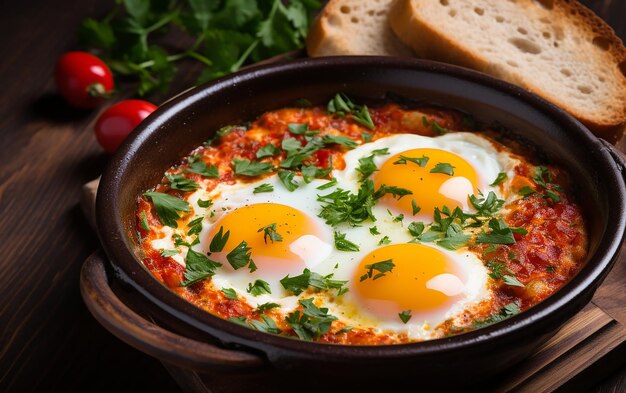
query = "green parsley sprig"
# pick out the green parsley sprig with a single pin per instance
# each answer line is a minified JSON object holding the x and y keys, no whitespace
{"x":222,"y":36}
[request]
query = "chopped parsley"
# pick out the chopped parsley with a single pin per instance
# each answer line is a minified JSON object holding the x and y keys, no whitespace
{"x":168,"y":253}
{"x":198,"y":267}
{"x":229,"y":293}
{"x":240,"y":257}
{"x":366,"y":166}
{"x":343,"y":244}
{"x":312,"y":322}
{"x":381,"y":267}
{"x":266,"y":306}
{"x":384,"y":240}
{"x":286,"y":177}
{"x":251,"y":168}
{"x":259,"y":287}
{"x":266,"y":324}
{"x":416,"y":209}
{"x":341,"y":105}
{"x":405,"y":316}
{"x":265,"y":187}
{"x":195,"y":226}
{"x":421,"y":161}
{"x":301,"y":129}
{"x":144,"y":221}
{"x":219,"y":240}
{"x":203,"y":169}
{"x":205,"y":204}
{"x":499,"y":179}
{"x":374,"y":231}
{"x":526,"y":191}
{"x":268,"y":150}
{"x":443,"y":167}
{"x":505,"y":312}
{"x":180,"y":182}
{"x":328,"y":185}
{"x":270,"y":231}
{"x":340,"y":140}
{"x":167,"y":207}
{"x":512,"y":281}
{"x":297,"y":284}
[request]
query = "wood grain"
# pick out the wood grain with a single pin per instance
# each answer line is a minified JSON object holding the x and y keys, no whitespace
{"x":48,"y":340}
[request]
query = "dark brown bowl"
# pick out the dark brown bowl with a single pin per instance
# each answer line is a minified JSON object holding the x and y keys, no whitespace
{"x":186,"y":121}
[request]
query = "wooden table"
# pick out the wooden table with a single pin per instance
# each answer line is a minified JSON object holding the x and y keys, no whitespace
{"x":48,"y":339}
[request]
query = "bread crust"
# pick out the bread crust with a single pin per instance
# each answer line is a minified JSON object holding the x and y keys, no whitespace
{"x":429,"y":39}
{"x":334,"y":31}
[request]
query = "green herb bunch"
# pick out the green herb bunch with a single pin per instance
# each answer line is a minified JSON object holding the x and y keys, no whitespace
{"x":221,"y":35}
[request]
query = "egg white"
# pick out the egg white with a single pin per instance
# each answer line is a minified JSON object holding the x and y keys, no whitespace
{"x":477,"y":151}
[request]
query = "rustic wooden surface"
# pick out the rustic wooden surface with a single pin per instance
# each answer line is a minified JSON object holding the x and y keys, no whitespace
{"x":48,"y":340}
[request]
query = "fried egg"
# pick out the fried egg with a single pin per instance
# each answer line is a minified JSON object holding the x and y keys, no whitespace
{"x":427,"y":284}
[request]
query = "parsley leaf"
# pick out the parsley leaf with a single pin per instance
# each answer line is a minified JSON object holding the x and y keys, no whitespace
{"x":240,"y":256}
{"x":312,"y":322}
{"x":259,"y":287}
{"x":198,"y":267}
{"x":405,"y":316}
{"x":203,"y":169}
{"x":381,"y":267}
{"x":512,"y":281}
{"x":422,"y":161}
{"x":168,"y":253}
{"x":443,"y":167}
{"x":144,"y":221}
{"x":341,"y":105}
{"x":416,"y":209}
{"x":505,"y":312}
{"x":343,"y":244}
{"x":374,"y":231}
{"x":526,"y":191}
{"x":268,"y":150}
{"x":297,"y":284}
{"x":502,"y":176}
{"x":366,"y":166}
{"x":219,"y":240}
{"x":204,"y":204}
{"x":286,"y":177}
{"x":330,"y":183}
{"x":500,"y":233}
{"x":167,"y":207}
{"x":266,"y":324}
{"x":340,"y":140}
{"x":270,"y":231}
{"x":265,"y":187}
{"x":301,"y":129}
{"x":384,"y":240}
{"x":229,"y":293}
{"x":251,"y":168}
{"x":195,"y":226}
{"x":266,"y":306}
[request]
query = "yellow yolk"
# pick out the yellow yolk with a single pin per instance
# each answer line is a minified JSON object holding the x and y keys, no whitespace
{"x":430,"y":190}
{"x":299,"y":245}
{"x":422,"y":280}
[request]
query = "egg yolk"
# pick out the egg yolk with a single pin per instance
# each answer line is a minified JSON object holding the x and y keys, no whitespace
{"x":418,"y":278}
{"x":281,"y":238}
{"x":430,"y":189}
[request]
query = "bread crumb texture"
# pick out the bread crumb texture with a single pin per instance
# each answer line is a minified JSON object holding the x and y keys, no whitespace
{"x":556,"y":48}
{"x":354,"y":27}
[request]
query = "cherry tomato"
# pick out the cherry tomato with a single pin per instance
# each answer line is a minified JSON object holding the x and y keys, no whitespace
{"x":117,"y":121}
{"x":83,"y":79}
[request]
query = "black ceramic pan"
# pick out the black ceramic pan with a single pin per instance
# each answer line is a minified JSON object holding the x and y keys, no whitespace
{"x":186,"y":121}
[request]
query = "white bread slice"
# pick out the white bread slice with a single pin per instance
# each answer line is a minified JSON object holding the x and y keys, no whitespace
{"x":354,"y":27}
{"x":557,"y":49}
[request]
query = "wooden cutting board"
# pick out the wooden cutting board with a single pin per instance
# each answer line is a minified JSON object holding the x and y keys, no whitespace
{"x":588,"y":347}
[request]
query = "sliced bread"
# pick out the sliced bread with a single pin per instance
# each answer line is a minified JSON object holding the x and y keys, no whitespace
{"x":557,"y":49}
{"x":354,"y":27}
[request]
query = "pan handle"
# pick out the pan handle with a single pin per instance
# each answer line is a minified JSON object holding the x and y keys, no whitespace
{"x":618,"y":156}
{"x":146,"y":336}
